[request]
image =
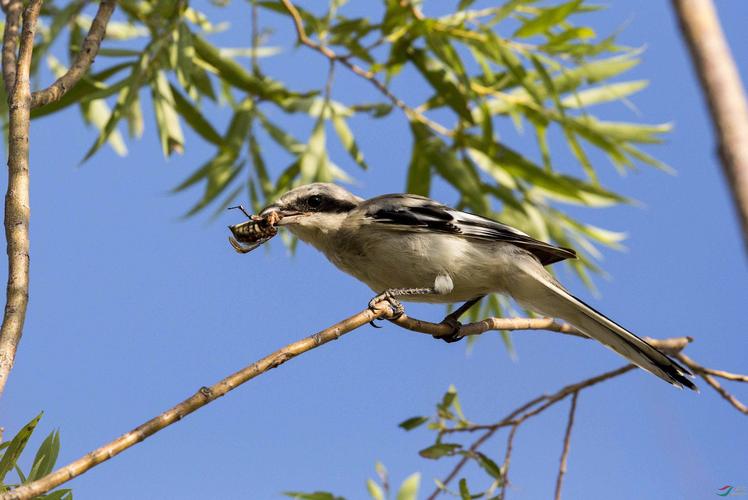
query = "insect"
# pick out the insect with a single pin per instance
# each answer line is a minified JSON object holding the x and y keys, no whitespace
{"x":254,"y":232}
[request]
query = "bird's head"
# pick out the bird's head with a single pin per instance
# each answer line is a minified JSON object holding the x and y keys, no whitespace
{"x":313,"y":210}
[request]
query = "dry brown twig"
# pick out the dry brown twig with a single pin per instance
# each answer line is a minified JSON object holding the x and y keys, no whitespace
{"x":567,"y":443}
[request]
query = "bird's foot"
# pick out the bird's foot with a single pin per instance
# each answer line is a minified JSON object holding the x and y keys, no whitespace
{"x":455,"y":325}
{"x":395,"y":305}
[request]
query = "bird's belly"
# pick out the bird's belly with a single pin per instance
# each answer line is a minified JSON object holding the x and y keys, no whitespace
{"x":414,"y":261}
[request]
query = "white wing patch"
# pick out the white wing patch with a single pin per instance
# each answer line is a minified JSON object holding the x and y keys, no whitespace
{"x":443,"y":284}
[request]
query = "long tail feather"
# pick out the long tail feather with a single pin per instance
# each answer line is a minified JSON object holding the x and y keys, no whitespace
{"x":544,"y":295}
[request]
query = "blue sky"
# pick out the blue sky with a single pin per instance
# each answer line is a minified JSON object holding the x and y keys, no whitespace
{"x":132,"y":310}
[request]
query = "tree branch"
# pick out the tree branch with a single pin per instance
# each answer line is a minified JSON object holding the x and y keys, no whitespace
{"x":201,"y":398}
{"x":724,"y":92}
{"x":83,"y":60}
{"x":17,"y":197}
{"x":207,"y":394}
{"x":13,"y":11}
{"x":567,"y":443}
{"x":304,"y":39}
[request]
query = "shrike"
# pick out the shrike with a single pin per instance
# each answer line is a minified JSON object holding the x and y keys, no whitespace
{"x":416,"y":249}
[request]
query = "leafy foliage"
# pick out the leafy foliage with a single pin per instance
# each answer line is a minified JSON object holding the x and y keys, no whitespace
{"x":43,"y":464}
{"x":547,"y":76}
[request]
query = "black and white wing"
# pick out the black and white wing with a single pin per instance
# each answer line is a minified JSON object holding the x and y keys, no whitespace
{"x":416,"y":213}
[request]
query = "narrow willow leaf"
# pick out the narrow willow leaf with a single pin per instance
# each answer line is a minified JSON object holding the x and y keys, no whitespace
{"x":492,"y":168}
{"x":409,"y":489}
{"x":258,"y":162}
{"x":125,"y":99}
{"x":439,"y":450}
{"x":439,"y":78}
{"x":167,"y":119}
{"x":488,"y":465}
{"x":317,"y":495}
{"x":312,"y":161}
{"x":281,"y":137}
{"x":580,"y":155}
{"x":375,"y":491}
{"x":347,"y":140}
{"x":603,"y":93}
{"x":16,"y":447}
{"x":464,"y":490}
{"x":218,"y":181}
{"x":195,"y":118}
{"x":548,"y":18}
{"x":98,"y":114}
{"x":419,"y":175}
{"x":643,"y":157}
{"x":621,"y":131}
{"x":448,"y":166}
{"x":412,"y":423}
{"x":233,"y":73}
{"x":595,"y":71}
{"x":46,"y":457}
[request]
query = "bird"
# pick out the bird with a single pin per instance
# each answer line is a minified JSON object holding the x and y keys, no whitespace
{"x":412,"y":248}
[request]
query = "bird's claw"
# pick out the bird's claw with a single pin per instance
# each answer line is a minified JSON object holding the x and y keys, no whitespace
{"x":395,"y":305}
{"x":454,"y":336}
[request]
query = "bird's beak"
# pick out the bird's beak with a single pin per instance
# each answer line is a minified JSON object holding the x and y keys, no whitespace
{"x":287,"y":216}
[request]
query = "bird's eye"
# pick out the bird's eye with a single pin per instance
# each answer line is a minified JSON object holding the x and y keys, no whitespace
{"x":314,"y":201}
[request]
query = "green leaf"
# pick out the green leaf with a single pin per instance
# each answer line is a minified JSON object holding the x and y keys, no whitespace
{"x":347,"y":140}
{"x":409,"y":489}
{"x":282,"y":138}
{"x":17,"y":444}
{"x":314,"y":158}
{"x":419,"y":173}
{"x":548,"y":18}
{"x":46,"y":457}
{"x":412,"y":423}
{"x":63,"y":494}
{"x":603,"y":93}
{"x":97,"y":113}
{"x":233,"y":73}
{"x":449,"y":166}
{"x":464,"y":491}
{"x":195,"y":118}
{"x":167,"y":119}
{"x":375,"y":491}
{"x":488,"y":465}
{"x":439,"y":450}
{"x":317,"y":495}
{"x":439,"y":78}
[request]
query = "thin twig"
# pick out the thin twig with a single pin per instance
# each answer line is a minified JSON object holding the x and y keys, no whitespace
{"x":507,"y":461}
{"x":367,"y":75}
{"x":17,"y":198}
{"x":708,"y":376}
{"x":735,"y":377}
{"x":567,"y":443}
{"x":201,"y":398}
{"x":523,"y":413}
{"x":10,"y":43}
{"x":724,"y":92}
{"x":83,"y":60}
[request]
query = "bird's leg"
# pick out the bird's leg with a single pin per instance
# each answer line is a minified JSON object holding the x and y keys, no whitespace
{"x":391,"y":297}
{"x":451,"y":320}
